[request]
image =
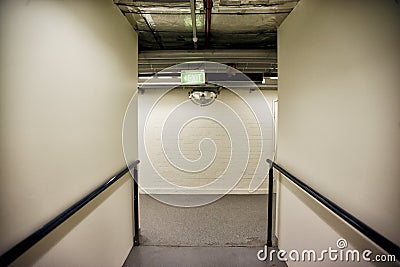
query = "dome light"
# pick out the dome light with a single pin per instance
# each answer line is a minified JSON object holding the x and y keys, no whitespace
{"x":202,"y":98}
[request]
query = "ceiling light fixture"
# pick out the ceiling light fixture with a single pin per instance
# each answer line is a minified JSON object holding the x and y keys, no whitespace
{"x":202,"y":97}
{"x":166,"y":77}
{"x":145,"y":77}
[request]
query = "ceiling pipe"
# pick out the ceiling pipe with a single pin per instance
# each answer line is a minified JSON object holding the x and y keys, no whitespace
{"x":193,"y":13}
{"x":252,"y":61}
{"x":254,"y":54}
{"x":147,"y":19}
{"x":208,"y":6}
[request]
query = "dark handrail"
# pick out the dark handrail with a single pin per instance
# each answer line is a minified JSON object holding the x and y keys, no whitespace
{"x":373,"y":235}
{"x":136,"y":207}
{"x":20,"y":248}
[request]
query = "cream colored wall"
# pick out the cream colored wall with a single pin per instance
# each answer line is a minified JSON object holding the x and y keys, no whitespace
{"x":68,"y":70}
{"x":190,"y":137}
{"x":339,"y":128}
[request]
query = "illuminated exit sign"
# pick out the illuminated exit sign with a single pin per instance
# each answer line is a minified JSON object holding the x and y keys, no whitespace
{"x":193,"y":77}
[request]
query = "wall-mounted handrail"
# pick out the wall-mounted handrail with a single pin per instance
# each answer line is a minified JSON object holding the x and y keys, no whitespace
{"x":136,"y":206}
{"x":373,"y":235}
{"x":12,"y":254}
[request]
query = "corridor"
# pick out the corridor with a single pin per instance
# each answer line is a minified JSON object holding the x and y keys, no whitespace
{"x":199,"y":133}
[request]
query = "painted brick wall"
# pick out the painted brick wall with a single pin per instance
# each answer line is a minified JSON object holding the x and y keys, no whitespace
{"x":153,"y":111}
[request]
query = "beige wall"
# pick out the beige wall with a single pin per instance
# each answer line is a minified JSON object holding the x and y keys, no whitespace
{"x":68,"y":70}
{"x":339,"y":128}
{"x":191,"y":135}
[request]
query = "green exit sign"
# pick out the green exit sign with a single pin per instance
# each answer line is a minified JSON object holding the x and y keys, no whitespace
{"x":193,"y":77}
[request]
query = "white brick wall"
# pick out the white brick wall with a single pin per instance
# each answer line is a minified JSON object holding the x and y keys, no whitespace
{"x":154,"y":162}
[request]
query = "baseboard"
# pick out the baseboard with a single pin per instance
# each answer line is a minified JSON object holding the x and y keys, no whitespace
{"x":168,"y":191}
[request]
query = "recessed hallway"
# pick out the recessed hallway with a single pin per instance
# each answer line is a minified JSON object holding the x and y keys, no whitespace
{"x":233,"y":220}
{"x":228,"y":232}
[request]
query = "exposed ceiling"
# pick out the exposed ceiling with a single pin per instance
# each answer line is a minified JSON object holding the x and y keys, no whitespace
{"x":240,"y":33}
{"x":234,"y":24}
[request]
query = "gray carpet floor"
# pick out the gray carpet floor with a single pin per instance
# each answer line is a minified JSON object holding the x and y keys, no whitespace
{"x":234,"y":220}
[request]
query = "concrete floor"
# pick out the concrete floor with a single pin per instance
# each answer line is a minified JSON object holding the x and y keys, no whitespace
{"x":234,"y":220}
{"x":158,"y":256}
